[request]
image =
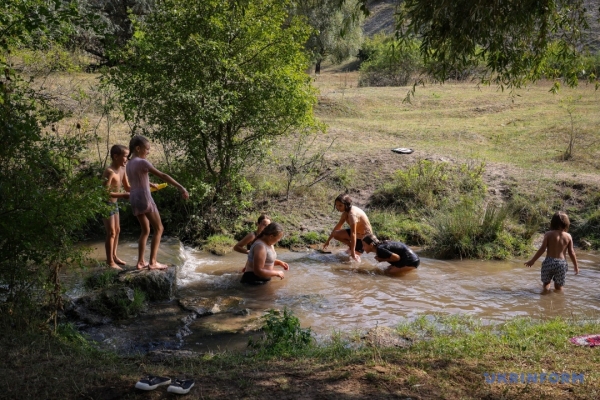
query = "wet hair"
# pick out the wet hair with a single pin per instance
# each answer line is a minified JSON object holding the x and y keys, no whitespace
{"x":345,"y":199}
{"x":117,"y":150}
{"x":371,"y":239}
{"x":560,"y":221}
{"x":262,"y":218}
{"x":272,"y":229}
{"x":137,"y":140}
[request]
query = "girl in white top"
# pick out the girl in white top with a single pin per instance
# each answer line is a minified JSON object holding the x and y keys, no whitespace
{"x":262,"y":257}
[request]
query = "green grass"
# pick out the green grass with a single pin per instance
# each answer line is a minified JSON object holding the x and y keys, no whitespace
{"x":219,"y":244}
{"x":448,"y":358}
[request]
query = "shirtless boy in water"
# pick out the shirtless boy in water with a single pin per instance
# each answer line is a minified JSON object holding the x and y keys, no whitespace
{"x":557,"y":242}
{"x":359,"y":226}
{"x":114,"y":178}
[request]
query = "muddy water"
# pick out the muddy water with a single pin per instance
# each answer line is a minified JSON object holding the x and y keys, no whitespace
{"x":327,"y":293}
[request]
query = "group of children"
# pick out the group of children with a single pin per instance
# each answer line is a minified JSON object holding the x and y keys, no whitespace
{"x":129,"y":170}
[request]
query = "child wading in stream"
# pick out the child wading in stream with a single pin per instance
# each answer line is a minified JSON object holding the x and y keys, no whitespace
{"x":557,"y":243}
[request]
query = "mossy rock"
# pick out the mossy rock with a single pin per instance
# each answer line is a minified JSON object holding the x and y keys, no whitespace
{"x":156,"y":284}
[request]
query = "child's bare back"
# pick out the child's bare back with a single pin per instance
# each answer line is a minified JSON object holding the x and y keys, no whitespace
{"x":556,"y":244}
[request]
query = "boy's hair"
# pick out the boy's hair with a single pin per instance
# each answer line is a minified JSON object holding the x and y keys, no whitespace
{"x":345,"y":199}
{"x":117,"y":150}
{"x":262,"y":218}
{"x":271,"y":230}
{"x":371,"y":239}
{"x":137,"y":140}
{"x":560,"y":221}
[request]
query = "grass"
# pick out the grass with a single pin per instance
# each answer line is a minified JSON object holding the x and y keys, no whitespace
{"x":219,"y":244}
{"x":447,"y":360}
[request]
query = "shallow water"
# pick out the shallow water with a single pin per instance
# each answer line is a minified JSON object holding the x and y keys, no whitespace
{"x":327,"y":292}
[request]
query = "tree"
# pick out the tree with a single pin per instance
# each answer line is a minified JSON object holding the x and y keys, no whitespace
{"x":337,"y":32}
{"x":217,"y":81}
{"x":46,"y":196}
{"x":512,"y":39}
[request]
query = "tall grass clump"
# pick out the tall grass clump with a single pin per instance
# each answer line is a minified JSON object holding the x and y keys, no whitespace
{"x":431,"y":185}
{"x":477,"y":230}
{"x":219,"y":244}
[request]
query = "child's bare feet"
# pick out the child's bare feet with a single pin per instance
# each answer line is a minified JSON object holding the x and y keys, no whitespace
{"x":119,"y":261}
{"x":115,"y":266}
{"x":157,"y":265}
{"x":141,"y":265}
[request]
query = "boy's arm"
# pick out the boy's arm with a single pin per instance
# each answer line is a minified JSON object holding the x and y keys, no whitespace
{"x":125,"y":183}
{"x":539,"y":253}
{"x":386,"y":255}
{"x":572,"y":255}
{"x":335,"y":228}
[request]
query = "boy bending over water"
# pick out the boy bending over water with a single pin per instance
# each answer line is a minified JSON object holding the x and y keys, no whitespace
{"x":557,"y":242}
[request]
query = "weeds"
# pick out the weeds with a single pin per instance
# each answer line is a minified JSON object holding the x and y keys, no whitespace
{"x":282,"y":334}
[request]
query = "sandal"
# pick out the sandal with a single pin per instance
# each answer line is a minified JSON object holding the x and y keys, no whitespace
{"x":180,"y":386}
{"x":151,"y":382}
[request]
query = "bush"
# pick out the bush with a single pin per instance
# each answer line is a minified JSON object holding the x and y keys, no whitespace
{"x":431,"y":185}
{"x":282,"y":334}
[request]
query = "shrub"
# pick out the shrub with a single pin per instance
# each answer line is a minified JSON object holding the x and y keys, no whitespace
{"x":282,"y":334}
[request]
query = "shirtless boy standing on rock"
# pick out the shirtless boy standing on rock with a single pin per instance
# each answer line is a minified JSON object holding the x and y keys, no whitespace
{"x":359,"y":226}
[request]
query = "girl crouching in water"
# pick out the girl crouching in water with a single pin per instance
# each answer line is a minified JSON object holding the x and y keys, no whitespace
{"x":142,"y":204}
{"x":262,"y":257}
{"x":399,"y":255}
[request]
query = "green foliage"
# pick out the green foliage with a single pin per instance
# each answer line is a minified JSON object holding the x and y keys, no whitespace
{"x":54,"y":58}
{"x":247,"y":86}
{"x":431,"y":185}
{"x":390,"y":225}
{"x":314,"y":237}
{"x":457,"y":35}
{"x":475,"y":230}
{"x":388,"y":62}
{"x":46,"y":199}
{"x":219,"y":244}
{"x":282,"y":334}
{"x":101,"y":280}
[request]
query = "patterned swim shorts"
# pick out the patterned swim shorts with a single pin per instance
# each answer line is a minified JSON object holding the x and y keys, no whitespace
{"x":554,"y":269}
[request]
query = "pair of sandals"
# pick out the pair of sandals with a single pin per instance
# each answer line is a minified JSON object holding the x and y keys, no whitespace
{"x":178,"y":386}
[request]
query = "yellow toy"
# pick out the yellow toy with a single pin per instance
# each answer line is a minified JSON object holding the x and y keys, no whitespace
{"x":158,"y":187}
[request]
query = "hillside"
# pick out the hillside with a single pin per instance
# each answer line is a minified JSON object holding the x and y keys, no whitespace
{"x":381,"y":20}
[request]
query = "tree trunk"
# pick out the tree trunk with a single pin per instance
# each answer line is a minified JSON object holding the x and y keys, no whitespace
{"x":318,"y":68}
